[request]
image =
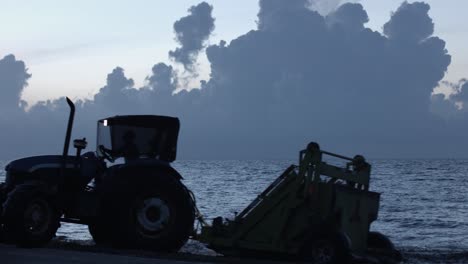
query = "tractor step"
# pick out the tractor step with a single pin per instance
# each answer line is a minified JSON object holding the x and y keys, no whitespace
{"x":72,"y":221}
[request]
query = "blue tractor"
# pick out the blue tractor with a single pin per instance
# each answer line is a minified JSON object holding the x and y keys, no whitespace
{"x":140,"y":203}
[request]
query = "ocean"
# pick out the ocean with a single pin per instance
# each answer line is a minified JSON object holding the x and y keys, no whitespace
{"x":424,"y":203}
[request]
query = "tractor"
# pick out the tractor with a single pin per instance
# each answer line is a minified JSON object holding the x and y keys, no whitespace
{"x":139,"y":203}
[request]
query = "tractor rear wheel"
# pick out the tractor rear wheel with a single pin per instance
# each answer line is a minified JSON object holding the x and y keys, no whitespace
{"x":154,"y":213}
{"x":29,"y":217}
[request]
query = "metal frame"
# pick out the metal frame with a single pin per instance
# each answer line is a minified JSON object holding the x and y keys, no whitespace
{"x":301,"y":202}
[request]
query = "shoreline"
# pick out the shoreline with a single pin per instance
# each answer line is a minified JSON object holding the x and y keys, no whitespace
{"x":83,"y":252}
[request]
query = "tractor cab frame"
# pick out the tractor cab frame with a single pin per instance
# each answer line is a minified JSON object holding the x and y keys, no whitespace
{"x":138,"y":137}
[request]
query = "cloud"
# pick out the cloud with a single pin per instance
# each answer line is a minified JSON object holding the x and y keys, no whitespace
{"x":443,"y":107}
{"x":117,"y":92}
{"x":192,"y":32}
{"x":287,"y":16}
{"x":299,"y":76}
{"x":325,"y":7}
{"x":351,"y":16}
{"x":163,"y":79}
{"x":411,"y":22}
{"x":455,"y":104}
{"x":297,"y":71}
{"x":461,"y":93}
{"x":14,"y":78}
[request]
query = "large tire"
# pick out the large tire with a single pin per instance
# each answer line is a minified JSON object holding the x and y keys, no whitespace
{"x":29,"y":217}
{"x":154,"y":212}
{"x":379,"y":241}
{"x":332,"y":249}
{"x":381,"y":245}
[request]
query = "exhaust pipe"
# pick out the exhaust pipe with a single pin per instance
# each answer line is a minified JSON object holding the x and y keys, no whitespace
{"x":67,"y":138}
{"x":69,"y":128}
{"x":65,"y":147}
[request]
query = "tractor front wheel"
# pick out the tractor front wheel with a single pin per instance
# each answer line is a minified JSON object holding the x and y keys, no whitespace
{"x":29,"y":217}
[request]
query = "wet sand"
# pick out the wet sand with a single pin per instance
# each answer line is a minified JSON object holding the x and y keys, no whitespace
{"x":13,"y":255}
{"x":58,"y":252}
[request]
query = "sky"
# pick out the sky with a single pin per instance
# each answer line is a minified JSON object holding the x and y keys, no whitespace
{"x":248,"y":79}
{"x":70,"y":46}
{"x":92,"y":37}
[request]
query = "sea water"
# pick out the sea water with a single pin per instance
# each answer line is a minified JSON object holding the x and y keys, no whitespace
{"x":424,"y":203}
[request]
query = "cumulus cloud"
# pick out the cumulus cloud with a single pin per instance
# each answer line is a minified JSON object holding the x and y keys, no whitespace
{"x":163,"y":79}
{"x":349,"y":15}
{"x":117,"y":92}
{"x":299,"y":76}
{"x":192,"y":32}
{"x":13,"y":78}
{"x":411,"y":22}
{"x":325,"y":7}
{"x":289,"y":17}
{"x":461,"y":93}
{"x":341,"y":78}
{"x":455,"y":103}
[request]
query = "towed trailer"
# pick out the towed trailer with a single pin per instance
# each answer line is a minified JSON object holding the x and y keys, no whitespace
{"x":313,"y":211}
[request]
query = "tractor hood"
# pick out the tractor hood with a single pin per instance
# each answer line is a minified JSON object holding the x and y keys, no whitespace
{"x":39,"y":168}
{"x":32,"y":164}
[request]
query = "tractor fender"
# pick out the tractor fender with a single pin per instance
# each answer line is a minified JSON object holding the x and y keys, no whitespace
{"x":35,"y":187}
{"x":124,"y":178}
{"x":30,"y":188}
{"x":162,"y":169}
{"x":146,"y":167}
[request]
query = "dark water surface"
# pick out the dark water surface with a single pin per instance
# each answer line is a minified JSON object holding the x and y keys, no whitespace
{"x":424,"y":203}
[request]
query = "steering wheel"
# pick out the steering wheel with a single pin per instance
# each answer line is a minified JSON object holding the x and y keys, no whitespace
{"x":106,"y":153}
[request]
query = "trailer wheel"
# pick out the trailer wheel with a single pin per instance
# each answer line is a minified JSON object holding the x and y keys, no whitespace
{"x":381,"y":244}
{"x":328,"y":250}
{"x":29,"y":217}
{"x":155,"y":213}
{"x":379,"y":241}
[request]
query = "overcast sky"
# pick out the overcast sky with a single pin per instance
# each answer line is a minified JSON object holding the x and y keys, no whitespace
{"x":70,"y":46}
{"x":386,"y":79}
